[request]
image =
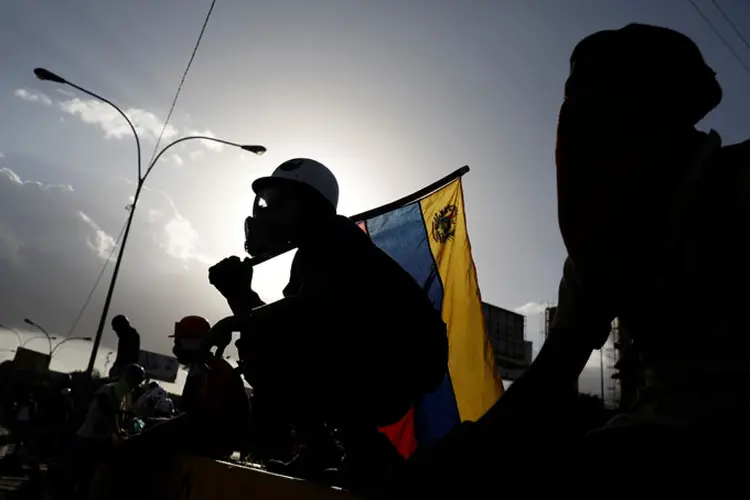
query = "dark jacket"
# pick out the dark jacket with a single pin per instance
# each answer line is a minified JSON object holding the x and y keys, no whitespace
{"x":355,"y":322}
{"x":128,"y":347}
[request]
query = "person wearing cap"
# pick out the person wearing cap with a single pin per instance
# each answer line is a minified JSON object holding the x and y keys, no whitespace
{"x":314,"y":353}
{"x":213,"y":388}
{"x":649,"y":208}
{"x":214,"y":417}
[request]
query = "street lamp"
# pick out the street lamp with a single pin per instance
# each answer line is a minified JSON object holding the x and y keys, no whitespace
{"x":15,"y":332}
{"x":45,"y":332}
{"x":27,"y":341}
{"x":48,"y":76}
{"x":68,"y":339}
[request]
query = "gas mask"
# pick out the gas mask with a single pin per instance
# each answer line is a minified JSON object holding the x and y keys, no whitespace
{"x":267,"y":230}
{"x":189,"y":350}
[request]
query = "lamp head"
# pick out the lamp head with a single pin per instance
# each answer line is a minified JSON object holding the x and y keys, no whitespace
{"x":258,"y":150}
{"x":48,"y":76}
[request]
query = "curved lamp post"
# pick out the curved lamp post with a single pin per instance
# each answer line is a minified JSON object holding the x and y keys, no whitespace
{"x":48,"y":76}
{"x":68,"y":339}
{"x":15,"y":332}
{"x":45,"y":332}
{"x":37,"y":337}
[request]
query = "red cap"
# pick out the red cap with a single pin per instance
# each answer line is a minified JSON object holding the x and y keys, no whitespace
{"x":191,"y":327}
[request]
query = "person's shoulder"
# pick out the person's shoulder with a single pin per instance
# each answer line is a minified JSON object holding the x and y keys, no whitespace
{"x":107,"y":390}
{"x":344,"y":234}
{"x":735,"y":165}
{"x":220,"y":368}
{"x":736,"y":155}
{"x":344,"y":224}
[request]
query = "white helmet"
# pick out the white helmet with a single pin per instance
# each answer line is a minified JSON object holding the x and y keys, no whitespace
{"x":304,"y":171}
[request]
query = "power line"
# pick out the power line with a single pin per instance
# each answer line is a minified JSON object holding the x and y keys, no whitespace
{"x":182,"y":80}
{"x":721,"y":37}
{"x":729,"y":21}
{"x":96,"y":283}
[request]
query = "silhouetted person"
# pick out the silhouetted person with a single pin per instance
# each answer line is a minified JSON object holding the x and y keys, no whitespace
{"x":128,"y":344}
{"x":100,"y":429}
{"x":313,"y":353}
{"x":214,"y":396}
{"x":650,"y":210}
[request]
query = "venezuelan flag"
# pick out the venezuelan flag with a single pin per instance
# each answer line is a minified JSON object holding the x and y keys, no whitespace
{"x":426,"y":234}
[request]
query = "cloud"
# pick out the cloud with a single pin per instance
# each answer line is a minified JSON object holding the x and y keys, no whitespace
{"x":177,"y":237}
{"x":181,"y":239}
{"x":43,"y":251}
{"x":14,"y":178}
{"x":101,"y":242}
{"x":213,"y":146}
{"x":147,"y":124}
{"x":104,"y":116}
{"x":154,"y":215}
{"x":2,"y":155}
{"x":33,"y":96}
{"x":94,"y":112}
{"x":66,"y":93}
{"x":20,"y":228}
{"x":53,"y":243}
{"x":10,"y":244}
{"x":531,"y":308}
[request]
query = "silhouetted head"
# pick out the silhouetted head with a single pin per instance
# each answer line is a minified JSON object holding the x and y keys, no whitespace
{"x":625,"y":135}
{"x":648,"y":71}
{"x":190,"y":336}
{"x":133,"y":374}
{"x":298,"y":194}
{"x":120,"y":324}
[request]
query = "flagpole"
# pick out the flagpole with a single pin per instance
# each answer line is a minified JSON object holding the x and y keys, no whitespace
{"x":411,"y":198}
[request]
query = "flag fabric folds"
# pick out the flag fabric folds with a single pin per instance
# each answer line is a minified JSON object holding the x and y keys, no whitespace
{"x":428,"y":237}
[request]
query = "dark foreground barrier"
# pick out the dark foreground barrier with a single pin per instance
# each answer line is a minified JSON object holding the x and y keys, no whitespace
{"x":197,"y":478}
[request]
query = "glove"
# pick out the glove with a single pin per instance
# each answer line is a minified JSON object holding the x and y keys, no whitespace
{"x":232,"y":277}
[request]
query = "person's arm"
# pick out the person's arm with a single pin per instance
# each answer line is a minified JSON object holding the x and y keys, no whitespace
{"x":580,"y":325}
{"x":245,"y":303}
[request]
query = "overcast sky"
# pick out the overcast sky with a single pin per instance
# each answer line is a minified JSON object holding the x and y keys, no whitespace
{"x":391,"y":95}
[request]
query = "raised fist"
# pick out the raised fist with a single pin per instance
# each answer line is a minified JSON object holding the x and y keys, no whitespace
{"x":232,"y":277}
{"x":221,"y":332}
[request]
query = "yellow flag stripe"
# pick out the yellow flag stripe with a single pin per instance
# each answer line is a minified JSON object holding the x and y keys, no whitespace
{"x":471,"y":362}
